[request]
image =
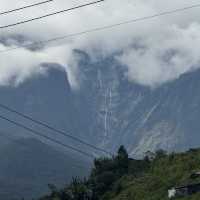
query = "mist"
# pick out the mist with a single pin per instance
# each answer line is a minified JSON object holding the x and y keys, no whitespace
{"x":154,"y":51}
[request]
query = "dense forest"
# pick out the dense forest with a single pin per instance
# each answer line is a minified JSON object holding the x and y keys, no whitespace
{"x":124,"y":178}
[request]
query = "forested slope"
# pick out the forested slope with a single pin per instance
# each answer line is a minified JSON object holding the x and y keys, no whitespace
{"x":120,"y":178}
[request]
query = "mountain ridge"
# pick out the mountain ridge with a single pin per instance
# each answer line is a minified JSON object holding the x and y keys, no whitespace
{"x":108,"y":110}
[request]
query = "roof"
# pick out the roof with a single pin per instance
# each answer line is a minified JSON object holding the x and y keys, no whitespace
{"x":186,"y":186}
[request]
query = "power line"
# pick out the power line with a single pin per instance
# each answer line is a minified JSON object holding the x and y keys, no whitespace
{"x":82,"y":33}
{"x":51,"y":14}
{"x":102,"y":28}
{"x":46,"y":137}
{"x":8,"y":138}
{"x":46,"y":125}
{"x":25,"y":7}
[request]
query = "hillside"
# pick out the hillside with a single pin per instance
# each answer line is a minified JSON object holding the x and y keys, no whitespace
{"x":108,"y":110}
{"x":27,"y":166}
{"x":121,"y":178}
{"x":164,"y":173}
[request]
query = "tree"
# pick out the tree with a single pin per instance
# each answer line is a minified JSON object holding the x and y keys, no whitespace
{"x":160,"y":153}
{"x":103,"y":177}
{"x":79,"y":190}
{"x":122,"y":161}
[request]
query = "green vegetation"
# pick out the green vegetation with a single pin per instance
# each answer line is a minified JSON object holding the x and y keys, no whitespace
{"x":122,"y":178}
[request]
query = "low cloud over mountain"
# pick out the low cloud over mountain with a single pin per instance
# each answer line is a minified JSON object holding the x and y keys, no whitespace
{"x":153,"y":51}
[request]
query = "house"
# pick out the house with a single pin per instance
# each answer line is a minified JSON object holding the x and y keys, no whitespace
{"x":195,"y":175}
{"x":184,"y":190}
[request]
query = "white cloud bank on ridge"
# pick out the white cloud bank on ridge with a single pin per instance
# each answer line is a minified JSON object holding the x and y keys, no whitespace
{"x":154,"y":51}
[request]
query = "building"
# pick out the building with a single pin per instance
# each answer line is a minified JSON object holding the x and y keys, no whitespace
{"x":184,"y":190}
{"x":195,"y":175}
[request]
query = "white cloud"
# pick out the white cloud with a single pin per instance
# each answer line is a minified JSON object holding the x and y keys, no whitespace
{"x":166,"y":59}
{"x":154,"y":51}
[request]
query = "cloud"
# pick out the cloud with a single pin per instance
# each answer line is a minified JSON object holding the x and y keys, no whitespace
{"x":154,"y":51}
{"x":164,"y":60}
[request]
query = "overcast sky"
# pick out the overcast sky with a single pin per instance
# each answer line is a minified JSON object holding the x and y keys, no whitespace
{"x":154,"y":51}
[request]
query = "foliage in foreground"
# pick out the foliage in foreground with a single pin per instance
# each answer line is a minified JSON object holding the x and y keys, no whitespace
{"x":122,"y":178}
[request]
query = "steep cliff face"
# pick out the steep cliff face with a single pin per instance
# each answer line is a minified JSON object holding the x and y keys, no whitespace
{"x":28,"y":163}
{"x":108,"y":110}
{"x":139,"y":117}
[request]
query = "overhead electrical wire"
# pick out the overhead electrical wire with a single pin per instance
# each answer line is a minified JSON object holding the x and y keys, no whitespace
{"x":101,"y":28}
{"x":51,"y":14}
{"x":8,"y":138}
{"x":50,"y":127}
{"x":37,"y":133}
{"x":73,"y":35}
{"x":24,"y":7}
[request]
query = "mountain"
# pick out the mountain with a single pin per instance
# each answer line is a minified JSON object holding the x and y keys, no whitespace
{"x":46,"y":97}
{"x":27,"y":166}
{"x":28,"y":163}
{"x":139,"y":117}
{"x":108,"y":110}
